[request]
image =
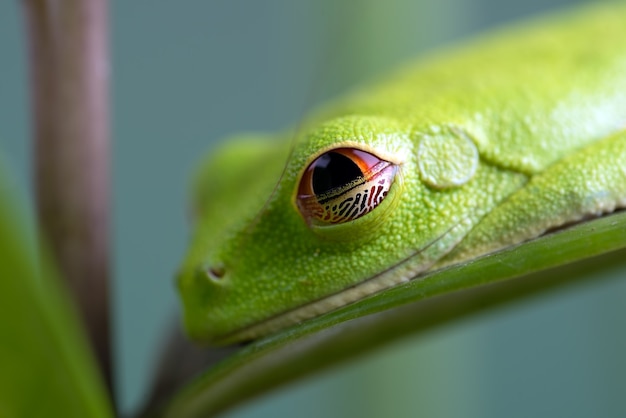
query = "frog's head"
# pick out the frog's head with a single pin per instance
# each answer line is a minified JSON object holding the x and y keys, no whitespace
{"x":286,"y":231}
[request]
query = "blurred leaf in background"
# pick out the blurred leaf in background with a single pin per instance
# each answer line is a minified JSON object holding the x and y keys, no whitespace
{"x":45,"y":364}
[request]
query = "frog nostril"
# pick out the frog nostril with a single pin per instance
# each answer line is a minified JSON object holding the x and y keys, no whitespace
{"x":216,"y":272}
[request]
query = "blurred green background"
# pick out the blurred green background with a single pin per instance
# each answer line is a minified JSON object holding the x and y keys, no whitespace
{"x":186,"y":74}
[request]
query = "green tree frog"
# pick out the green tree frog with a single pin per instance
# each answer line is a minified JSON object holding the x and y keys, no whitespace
{"x":460,"y":154}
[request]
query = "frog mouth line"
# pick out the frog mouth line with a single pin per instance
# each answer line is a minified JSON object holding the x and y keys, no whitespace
{"x":407,"y":269}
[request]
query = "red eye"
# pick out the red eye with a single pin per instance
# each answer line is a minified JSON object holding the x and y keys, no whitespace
{"x":342,"y":185}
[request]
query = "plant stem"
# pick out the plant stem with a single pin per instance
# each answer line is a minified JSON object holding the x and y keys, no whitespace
{"x":69,"y":75}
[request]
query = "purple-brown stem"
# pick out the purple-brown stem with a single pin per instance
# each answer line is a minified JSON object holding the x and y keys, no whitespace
{"x":69,"y":74}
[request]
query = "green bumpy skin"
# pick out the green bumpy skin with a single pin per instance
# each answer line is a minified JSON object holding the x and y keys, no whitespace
{"x":496,"y":142}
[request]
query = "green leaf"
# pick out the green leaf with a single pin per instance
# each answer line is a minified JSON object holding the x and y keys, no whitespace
{"x":46,"y":368}
{"x":554,"y":260}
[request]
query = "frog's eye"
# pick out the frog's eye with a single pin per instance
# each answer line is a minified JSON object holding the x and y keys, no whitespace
{"x":343,"y":184}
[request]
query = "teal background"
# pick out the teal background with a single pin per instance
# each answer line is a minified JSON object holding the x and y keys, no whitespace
{"x":186,"y":74}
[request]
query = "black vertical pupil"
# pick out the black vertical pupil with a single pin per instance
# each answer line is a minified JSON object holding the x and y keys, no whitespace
{"x":332,"y":170}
